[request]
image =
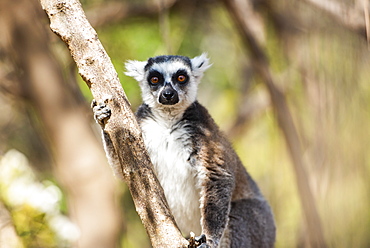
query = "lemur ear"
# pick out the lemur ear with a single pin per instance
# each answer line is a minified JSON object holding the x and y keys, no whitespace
{"x":135,"y":69}
{"x":200,"y":64}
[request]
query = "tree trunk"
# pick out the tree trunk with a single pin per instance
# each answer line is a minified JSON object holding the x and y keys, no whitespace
{"x":90,"y":187}
{"x":69,"y":22}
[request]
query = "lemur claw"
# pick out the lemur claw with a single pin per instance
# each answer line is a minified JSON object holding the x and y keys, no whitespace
{"x":101,"y":111}
{"x":201,"y":239}
{"x":199,"y":242}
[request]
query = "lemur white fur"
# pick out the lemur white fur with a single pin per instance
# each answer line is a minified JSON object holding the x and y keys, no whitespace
{"x":169,"y":150}
{"x":206,"y":186}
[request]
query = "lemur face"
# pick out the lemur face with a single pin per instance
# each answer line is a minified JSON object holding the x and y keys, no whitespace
{"x":168,"y":81}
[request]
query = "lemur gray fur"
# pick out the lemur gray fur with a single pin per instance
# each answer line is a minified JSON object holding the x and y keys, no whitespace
{"x":206,"y":186}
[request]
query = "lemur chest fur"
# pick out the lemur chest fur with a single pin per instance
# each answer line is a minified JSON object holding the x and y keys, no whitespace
{"x":169,"y":147}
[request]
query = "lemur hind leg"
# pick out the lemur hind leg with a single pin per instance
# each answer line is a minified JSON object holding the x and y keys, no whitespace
{"x":251,"y":224}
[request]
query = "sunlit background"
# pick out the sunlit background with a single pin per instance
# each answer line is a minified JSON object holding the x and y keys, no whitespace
{"x":55,"y":185}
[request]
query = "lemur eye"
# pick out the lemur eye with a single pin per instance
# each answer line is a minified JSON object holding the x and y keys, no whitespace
{"x":154,"y":80}
{"x":181,"y":78}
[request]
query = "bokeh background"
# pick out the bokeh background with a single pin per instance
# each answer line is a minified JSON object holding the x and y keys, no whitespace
{"x":56,"y":189}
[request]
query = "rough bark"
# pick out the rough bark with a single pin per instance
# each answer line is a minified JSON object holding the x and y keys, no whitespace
{"x":284,"y":119}
{"x":68,"y":21}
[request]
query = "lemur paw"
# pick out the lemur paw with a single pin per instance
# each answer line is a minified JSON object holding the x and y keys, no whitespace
{"x":101,"y":111}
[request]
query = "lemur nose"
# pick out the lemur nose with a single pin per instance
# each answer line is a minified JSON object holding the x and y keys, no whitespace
{"x":168,"y":94}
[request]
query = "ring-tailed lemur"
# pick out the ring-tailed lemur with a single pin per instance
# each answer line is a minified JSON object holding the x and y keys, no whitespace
{"x":206,"y":186}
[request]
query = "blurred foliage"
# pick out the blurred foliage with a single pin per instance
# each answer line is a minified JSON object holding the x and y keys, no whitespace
{"x":32,"y":228}
{"x":34,"y":206}
{"x":323,"y":70}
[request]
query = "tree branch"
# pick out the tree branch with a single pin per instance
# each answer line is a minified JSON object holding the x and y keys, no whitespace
{"x":352,"y":18}
{"x":285,"y":121}
{"x":78,"y":157}
{"x":68,"y":21}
